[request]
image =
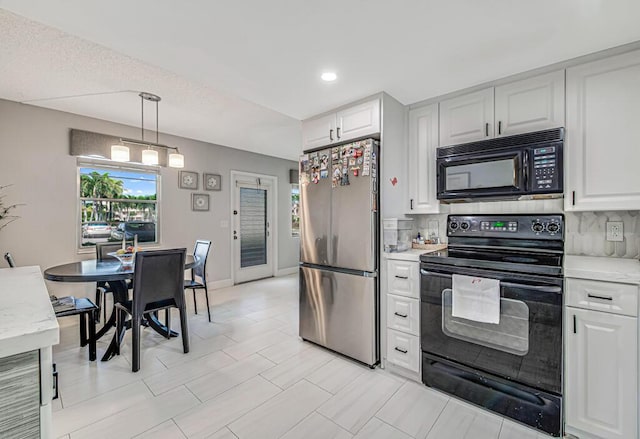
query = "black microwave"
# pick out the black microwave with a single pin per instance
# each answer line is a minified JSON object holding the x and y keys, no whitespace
{"x":515,"y":167}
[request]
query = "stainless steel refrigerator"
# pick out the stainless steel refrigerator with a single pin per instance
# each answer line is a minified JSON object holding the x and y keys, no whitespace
{"x":339,"y":238}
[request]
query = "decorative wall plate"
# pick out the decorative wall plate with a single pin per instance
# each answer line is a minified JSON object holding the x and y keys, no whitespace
{"x":188,"y":180}
{"x":200,"y":202}
{"x":212,"y":182}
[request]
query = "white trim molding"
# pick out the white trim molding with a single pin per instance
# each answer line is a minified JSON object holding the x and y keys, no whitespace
{"x":287,"y":271}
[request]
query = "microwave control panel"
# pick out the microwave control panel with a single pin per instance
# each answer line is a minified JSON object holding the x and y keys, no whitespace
{"x":547,"y":165}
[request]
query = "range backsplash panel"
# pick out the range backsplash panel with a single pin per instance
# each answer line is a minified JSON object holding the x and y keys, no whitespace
{"x":585,"y":231}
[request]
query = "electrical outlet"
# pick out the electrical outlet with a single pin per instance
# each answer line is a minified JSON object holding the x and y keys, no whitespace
{"x":615,"y":231}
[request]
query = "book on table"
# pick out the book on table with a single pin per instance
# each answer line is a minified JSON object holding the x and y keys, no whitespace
{"x":63,"y":303}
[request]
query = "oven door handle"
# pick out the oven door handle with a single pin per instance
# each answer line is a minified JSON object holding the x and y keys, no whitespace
{"x":541,"y":288}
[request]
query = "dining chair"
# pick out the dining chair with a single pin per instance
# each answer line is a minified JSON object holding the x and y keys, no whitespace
{"x":200,"y":251}
{"x":82,"y":307}
{"x":158,"y":284}
{"x":102,"y":288}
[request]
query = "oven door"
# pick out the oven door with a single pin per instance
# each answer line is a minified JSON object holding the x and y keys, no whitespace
{"x":525,"y":347}
{"x":502,"y":174}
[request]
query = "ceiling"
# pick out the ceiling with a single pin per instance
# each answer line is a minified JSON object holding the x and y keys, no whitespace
{"x":244,"y":73}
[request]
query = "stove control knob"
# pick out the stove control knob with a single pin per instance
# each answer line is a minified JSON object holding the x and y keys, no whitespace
{"x":537,"y":226}
{"x":464,"y":225}
{"x":453,"y":225}
{"x":553,"y":228}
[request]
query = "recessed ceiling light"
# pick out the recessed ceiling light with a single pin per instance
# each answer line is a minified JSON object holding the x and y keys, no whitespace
{"x":329,"y":76}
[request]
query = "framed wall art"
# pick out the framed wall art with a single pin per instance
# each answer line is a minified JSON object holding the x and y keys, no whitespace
{"x":212,"y":182}
{"x":200,"y":202}
{"x":188,"y":180}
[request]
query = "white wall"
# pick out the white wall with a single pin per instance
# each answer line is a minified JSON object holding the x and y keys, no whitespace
{"x":34,"y":158}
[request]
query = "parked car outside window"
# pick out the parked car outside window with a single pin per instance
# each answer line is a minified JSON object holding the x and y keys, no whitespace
{"x":145,"y":230}
{"x":96,"y":229}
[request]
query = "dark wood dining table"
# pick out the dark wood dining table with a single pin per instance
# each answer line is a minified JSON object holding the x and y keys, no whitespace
{"x":115,"y":275}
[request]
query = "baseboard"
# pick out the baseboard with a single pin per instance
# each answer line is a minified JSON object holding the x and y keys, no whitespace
{"x":224,"y":283}
{"x":287,"y":271}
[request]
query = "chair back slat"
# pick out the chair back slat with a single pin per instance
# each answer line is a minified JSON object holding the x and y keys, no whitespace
{"x":158,"y":277}
{"x":201,"y":251}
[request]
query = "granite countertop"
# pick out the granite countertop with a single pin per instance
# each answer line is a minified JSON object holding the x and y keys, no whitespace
{"x":602,"y":268}
{"x":27,"y":319}
{"x":413,"y":254}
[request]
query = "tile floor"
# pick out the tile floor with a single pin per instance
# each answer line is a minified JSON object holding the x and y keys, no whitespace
{"x":249,"y":376}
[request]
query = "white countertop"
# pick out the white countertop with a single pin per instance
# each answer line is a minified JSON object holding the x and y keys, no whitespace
{"x":27,"y":320}
{"x":409,"y":255}
{"x":602,"y":268}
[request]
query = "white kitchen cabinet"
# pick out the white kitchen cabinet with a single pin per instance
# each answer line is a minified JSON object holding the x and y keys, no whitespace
{"x":601,"y":379}
{"x":532,"y":104}
{"x":403,"y":350}
{"x":353,"y":122}
{"x":402,"y":315}
{"x":423,"y":141}
{"x":467,"y":118}
{"x":319,"y":132}
{"x":602,"y":149}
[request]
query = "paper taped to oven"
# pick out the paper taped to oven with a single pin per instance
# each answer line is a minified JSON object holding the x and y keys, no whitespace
{"x":476,"y":298}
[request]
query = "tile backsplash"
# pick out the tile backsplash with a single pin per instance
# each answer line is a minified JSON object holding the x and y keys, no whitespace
{"x":585,"y":232}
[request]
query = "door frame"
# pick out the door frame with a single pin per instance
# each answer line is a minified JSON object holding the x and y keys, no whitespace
{"x":273,"y":179}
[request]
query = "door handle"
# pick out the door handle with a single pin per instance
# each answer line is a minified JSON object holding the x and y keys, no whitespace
{"x":404,"y":351}
{"x":402,"y":277}
{"x":404,"y":316}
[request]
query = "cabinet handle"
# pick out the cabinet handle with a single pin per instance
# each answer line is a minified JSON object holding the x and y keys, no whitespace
{"x":338,"y":132}
{"x":573,"y":198}
{"x":594,"y":296}
{"x":404,"y":316}
{"x":411,"y":204}
{"x":404,"y":351}
{"x":331,"y":134}
{"x":499,"y":127}
{"x":402,"y":277}
{"x":575,"y":325}
{"x":486,"y":129}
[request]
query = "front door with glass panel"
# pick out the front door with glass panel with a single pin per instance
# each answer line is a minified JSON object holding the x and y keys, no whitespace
{"x":253,"y":208}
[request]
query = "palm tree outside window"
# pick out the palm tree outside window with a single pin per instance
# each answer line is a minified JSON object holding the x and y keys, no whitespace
{"x":116,"y":203}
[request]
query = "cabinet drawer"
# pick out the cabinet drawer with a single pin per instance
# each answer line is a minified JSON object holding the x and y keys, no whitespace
{"x":403,"y":350}
{"x":403,"y":314}
{"x":603,"y":296}
{"x":403,"y":278}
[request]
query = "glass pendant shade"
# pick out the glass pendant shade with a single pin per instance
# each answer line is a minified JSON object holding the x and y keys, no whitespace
{"x":176,"y":160}
{"x":119,"y":153}
{"x":150,"y":157}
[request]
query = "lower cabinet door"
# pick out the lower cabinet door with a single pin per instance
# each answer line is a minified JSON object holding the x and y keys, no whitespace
{"x":403,"y":350}
{"x":601,"y":374}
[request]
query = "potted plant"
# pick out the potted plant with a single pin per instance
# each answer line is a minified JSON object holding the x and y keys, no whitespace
{"x":5,"y":210}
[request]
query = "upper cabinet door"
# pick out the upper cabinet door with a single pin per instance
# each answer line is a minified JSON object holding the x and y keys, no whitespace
{"x":602,"y":148}
{"x":467,"y":118}
{"x":532,"y":104}
{"x":423,"y":141}
{"x":319,"y":132}
{"x":358,"y":121}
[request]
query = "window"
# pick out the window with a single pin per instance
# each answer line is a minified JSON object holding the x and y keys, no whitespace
{"x":295,"y":210}
{"x":116,"y":203}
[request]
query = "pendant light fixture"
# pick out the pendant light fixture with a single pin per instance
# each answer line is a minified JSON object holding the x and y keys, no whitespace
{"x":120,"y":153}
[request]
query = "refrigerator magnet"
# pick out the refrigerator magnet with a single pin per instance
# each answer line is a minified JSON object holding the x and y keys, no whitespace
{"x":324,"y":173}
{"x":352,"y":161}
{"x":324,"y":161}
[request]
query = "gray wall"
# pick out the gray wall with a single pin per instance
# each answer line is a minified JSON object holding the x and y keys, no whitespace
{"x":34,"y":157}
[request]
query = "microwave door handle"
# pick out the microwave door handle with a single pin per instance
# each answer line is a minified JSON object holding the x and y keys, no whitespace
{"x":525,"y":166}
